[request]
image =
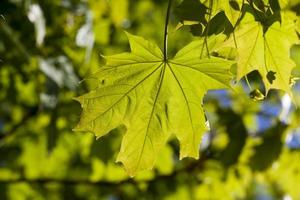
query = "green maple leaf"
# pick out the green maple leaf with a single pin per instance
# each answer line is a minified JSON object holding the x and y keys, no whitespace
{"x":191,"y":12}
{"x":231,"y":8}
{"x":267,"y":52}
{"x":288,"y":3}
{"x":153,"y":98}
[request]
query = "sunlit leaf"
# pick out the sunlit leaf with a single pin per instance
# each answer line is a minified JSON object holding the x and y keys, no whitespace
{"x":268,"y":52}
{"x":154,"y":99}
{"x":288,"y":3}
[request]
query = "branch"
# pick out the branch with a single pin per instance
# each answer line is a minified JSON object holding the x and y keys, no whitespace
{"x":190,"y":168}
{"x":207,"y":31}
{"x":32,"y":112}
{"x":43,"y":181}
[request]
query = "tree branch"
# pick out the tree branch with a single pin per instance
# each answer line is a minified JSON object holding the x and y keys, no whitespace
{"x":189,"y":168}
{"x":32,"y":112}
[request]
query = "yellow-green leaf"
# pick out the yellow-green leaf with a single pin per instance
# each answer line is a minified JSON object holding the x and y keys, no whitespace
{"x":231,"y":8}
{"x":153,"y":99}
{"x":288,"y":3}
{"x":268,"y":52}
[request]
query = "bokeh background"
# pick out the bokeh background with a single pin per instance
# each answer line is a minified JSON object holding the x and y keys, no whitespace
{"x":48,"y":46}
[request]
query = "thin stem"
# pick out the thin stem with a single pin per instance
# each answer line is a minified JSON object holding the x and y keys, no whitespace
{"x":240,"y":16}
{"x":255,"y":12}
{"x":248,"y":83}
{"x":166,"y":31}
{"x":205,"y":44}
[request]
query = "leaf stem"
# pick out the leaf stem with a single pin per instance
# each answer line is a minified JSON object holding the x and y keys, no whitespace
{"x":205,"y":44}
{"x":248,"y":83}
{"x":166,"y":31}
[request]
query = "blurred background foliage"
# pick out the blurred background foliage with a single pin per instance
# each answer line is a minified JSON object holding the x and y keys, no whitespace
{"x":48,"y":46}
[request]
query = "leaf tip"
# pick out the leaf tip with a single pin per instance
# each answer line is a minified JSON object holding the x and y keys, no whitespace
{"x":76,"y":99}
{"x":102,"y":56}
{"x":129,"y":35}
{"x":77,"y":128}
{"x":194,"y":155}
{"x":131,"y":173}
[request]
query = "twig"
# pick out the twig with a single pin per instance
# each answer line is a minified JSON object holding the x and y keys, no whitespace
{"x":190,"y":168}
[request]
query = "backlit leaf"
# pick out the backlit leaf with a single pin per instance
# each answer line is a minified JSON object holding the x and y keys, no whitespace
{"x":232,"y":8}
{"x":288,"y":3}
{"x":266,"y":52}
{"x":153,"y":99}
